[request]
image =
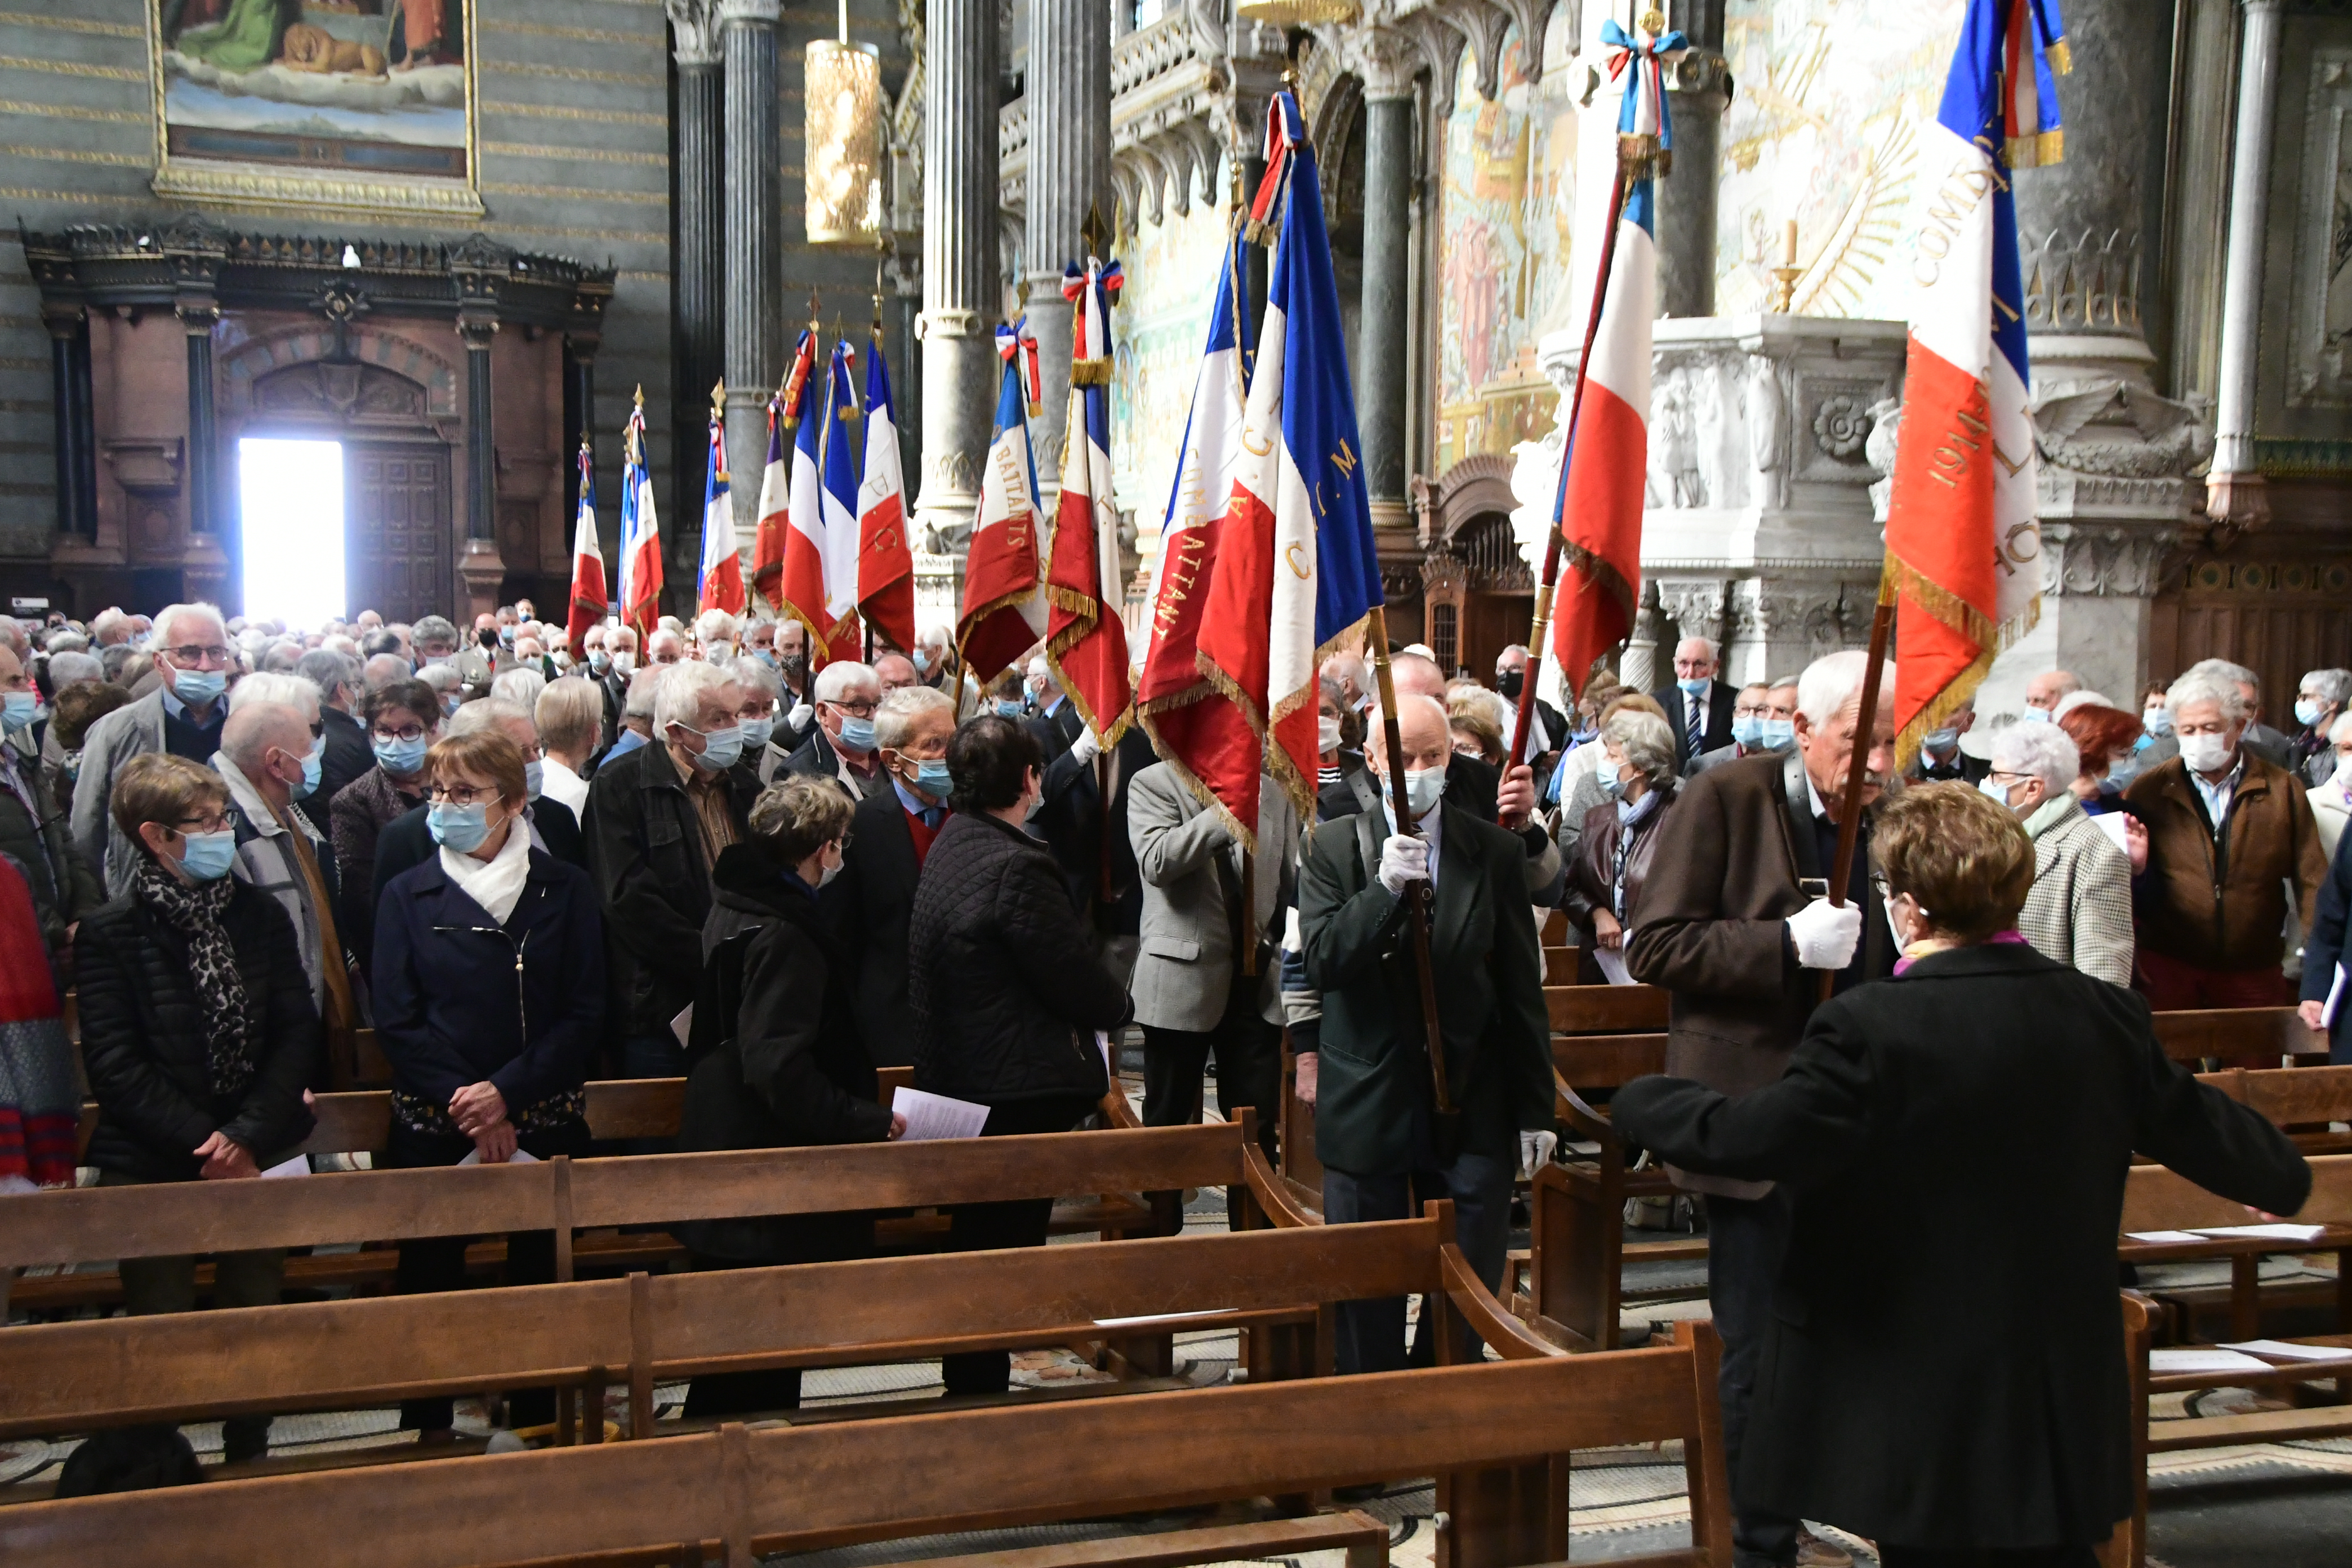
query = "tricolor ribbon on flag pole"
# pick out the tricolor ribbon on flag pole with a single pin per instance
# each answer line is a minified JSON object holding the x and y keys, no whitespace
{"x":718,"y":585}
{"x":1963,"y":545}
{"x":588,"y":602}
{"x":1016,"y":346}
{"x":1085,"y":642}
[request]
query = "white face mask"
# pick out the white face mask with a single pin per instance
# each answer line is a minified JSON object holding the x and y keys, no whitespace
{"x":1327,"y":734}
{"x":1422,"y":788}
{"x":2206,"y":754}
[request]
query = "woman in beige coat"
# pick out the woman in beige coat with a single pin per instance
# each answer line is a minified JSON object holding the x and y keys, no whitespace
{"x":2079,"y":912}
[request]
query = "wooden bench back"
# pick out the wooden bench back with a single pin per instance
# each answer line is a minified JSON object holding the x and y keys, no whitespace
{"x":2189,"y":1035}
{"x":2289,"y":1096}
{"x":801,"y":1488}
{"x":1605,"y":1009}
{"x":2156,"y":1199}
{"x":100,"y":1222}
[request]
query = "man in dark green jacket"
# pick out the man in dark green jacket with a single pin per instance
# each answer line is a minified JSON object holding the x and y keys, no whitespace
{"x":1374,"y":1090}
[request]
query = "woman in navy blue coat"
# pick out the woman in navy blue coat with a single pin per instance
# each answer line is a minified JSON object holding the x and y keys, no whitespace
{"x":2324,"y":954}
{"x":489,"y":997}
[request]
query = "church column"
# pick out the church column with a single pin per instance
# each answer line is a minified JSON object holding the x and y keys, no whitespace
{"x":1069,"y":173}
{"x":210,"y":558}
{"x":2115,"y":495}
{"x":2234,"y":488}
{"x":698,"y":265}
{"x":1699,"y":90}
{"x":755,"y":279}
{"x":1386,"y":65}
{"x":962,"y":289}
{"x":77,"y":441}
{"x":479,"y":564}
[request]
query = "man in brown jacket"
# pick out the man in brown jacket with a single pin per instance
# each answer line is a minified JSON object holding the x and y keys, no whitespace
{"x":1733,"y":921}
{"x":2227,"y":831}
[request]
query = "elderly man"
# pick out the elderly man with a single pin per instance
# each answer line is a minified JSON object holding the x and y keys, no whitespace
{"x":408,"y":840}
{"x":435,"y":640}
{"x":183,"y":715}
{"x":1373,"y":1092}
{"x":1206,"y":981}
{"x":1734,"y":921}
{"x":792,"y":664}
{"x":716,"y":633}
{"x":348,"y":754}
{"x":2045,"y":691}
{"x":2079,"y":912}
{"x":1940,"y":759}
{"x":666,"y":647}
{"x":658,"y":818}
{"x":64,"y":884}
{"x":636,"y":717}
{"x":895,"y":671}
{"x":382,"y":669}
{"x":1748,"y":711}
{"x":488,"y":655}
{"x":271,"y":756}
{"x":2319,"y":700}
{"x":109,"y":627}
{"x":842,"y":745}
{"x":761,"y":686}
{"x":1055,"y":719}
{"x":1512,"y":672}
{"x":2228,"y":832}
{"x":620,"y":649}
{"x":2260,"y":738}
{"x":873,"y":898}
{"x":1697,"y":705}
{"x":935,"y":659}
{"x":1355,"y":678}
{"x":1505,"y":797}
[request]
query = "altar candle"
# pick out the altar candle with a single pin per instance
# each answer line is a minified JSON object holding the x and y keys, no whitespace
{"x":1789,"y":244}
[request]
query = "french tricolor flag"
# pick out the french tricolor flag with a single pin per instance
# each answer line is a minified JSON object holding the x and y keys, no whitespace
{"x":1003,"y":600}
{"x":1085,"y":643}
{"x":641,"y":560}
{"x":800,"y":587}
{"x":1962,"y":543}
{"x":886,"y":564}
{"x":842,"y":627}
{"x":721,"y":584}
{"x":588,"y":604}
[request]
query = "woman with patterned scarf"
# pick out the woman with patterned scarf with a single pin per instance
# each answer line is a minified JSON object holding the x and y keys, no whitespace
{"x":197,"y":1032}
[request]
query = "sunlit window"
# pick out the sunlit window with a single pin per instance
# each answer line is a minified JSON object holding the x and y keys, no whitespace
{"x":291,"y":495}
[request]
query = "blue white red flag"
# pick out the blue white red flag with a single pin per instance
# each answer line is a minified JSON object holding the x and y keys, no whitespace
{"x":588,"y":604}
{"x":1169,"y":688}
{"x":886,"y":564}
{"x":801,"y":586}
{"x":843,"y":631}
{"x":1295,"y":574}
{"x":1003,"y":600}
{"x":641,"y":556}
{"x":1963,"y":547}
{"x":719,"y":583}
{"x":1086,"y":641}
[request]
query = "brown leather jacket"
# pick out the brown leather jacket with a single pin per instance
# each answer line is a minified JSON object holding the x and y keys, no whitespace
{"x":1592,"y":876}
{"x":2215,"y":900}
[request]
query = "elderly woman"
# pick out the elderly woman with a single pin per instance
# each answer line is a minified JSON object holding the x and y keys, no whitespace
{"x":2319,"y":701}
{"x":1636,"y":778}
{"x":776,"y":1060}
{"x":2331,"y":803}
{"x":197,"y":1031}
{"x":1966,"y":1126}
{"x":489,"y":991}
{"x":2080,"y":910}
{"x":403,"y":719}
{"x":1580,"y":788}
{"x":761,"y":686}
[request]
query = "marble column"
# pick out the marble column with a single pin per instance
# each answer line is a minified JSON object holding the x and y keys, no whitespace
{"x":77,"y":442}
{"x":479,"y":564}
{"x":698,"y":266}
{"x":1069,"y":173}
{"x":1698,"y":92}
{"x":754,"y":255}
{"x":1384,"y":329}
{"x":963,"y":291}
{"x":2115,"y":456}
{"x":2233,"y":488}
{"x":213,"y":553}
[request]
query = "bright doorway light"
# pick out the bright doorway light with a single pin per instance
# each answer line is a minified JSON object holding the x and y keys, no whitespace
{"x":292,"y":502}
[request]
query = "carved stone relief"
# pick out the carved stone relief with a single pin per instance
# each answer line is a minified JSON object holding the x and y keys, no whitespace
{"x":2320,"y":308}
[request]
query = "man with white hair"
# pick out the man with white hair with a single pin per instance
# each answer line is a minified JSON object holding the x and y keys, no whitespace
{"x":761,"y":686}
{"x":2259,"y":738}
{"x":619,"y":648}
{"x":110,"y":627}
{"x":842,"y":745}
{"x":349,"y":753}
{"x":2043,"y":693}
{"x":935,"y":659}
{"x":666,"y":647}
{"x":2228,"y":832}
{"x":637,"y":730}
{"x":1698,"y":705}
{"x":1055,"y":720}
{"x":1734,"y":922}
{"x":269,"y":758}
{"x":715,"y":635}
{"x":183,"y":716}
{"x":2319,"y":700}
{"x":658,"y":818}
{"x":2079,"y":912}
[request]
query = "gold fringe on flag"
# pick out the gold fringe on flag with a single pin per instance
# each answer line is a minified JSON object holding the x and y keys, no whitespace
{"x":2061,"y":57}
{"x":1639,"y":155}
{"x":1090,"y":373}
{"x":2036,"y":151}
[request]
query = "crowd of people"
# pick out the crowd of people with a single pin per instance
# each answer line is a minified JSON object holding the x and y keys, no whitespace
{"x":515,"y":865}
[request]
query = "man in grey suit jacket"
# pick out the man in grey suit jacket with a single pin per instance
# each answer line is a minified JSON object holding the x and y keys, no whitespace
{"x":1192,"y":994}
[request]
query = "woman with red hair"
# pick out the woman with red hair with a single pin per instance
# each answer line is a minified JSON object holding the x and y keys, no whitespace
{"x":2106,"y":737}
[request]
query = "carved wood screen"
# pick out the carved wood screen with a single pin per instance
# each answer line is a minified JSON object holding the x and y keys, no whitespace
{"x":397,"y":541}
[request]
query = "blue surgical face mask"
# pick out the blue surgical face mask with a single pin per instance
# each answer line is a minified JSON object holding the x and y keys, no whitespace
{"x":922,"y":661}
{"x":932,"y":778}
{"x":757,"y":733}
{"x":22,"y":707}
{"x":1779,"y":734}
{"x":2143,"y":744}
{"x":720,"y":748}
{"x":2307,"y":711}
{"x":1423,"y":787}
{"x":1608,"y":777}
{"x":1996,"y":789}
{"x":2158,"y":721}
{"x":313,"y":762}
{"x":1694,"y":686}
{"x":857,"y":734}
{"x":1748,"y":729}
{"x":599,"y":660}
{"x":1010,"y":710}
{"x":449,"y":706}
{"x":1941,"y":742}
{"x":2034,"y":715}
{"x":534,"y":777}
{"x":196,"y":688}
{"x":210,"y":854}
{"x":402,"y":757}
{"x":458,"y":827}
{"x":766,"y":655}
{"x":507,"y":635}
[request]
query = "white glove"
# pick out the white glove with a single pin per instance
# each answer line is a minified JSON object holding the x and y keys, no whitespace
{"x":1825,"y":934}
{"x":1085,"y":748}
{"x":1403,"y":860}
{"x":799,"y":716}
{"x":1535,"y":1151}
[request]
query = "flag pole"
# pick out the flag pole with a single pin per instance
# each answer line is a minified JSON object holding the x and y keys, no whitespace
{"x":1544,"y":590}
{"x":1882,"y":624}
{"x":1446,"y":1119}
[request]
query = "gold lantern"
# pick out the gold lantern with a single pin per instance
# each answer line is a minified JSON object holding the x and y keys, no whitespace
{"x":842,"y":172}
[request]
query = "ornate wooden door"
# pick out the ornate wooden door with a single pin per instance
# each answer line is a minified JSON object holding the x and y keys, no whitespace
{"x":398,"y":540}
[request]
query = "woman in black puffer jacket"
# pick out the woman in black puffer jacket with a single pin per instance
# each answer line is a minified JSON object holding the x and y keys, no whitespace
{"x":197,"y":1031}
{"x":1005,"y":985}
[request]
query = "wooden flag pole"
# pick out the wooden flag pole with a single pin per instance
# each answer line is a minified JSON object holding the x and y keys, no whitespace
{"x":1446,"y":1119}
{"x":1882,"y":625}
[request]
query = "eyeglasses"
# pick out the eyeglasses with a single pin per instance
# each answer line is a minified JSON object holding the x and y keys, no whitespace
{"x":211,"y":823}
{"x":459,"y":795}
{"x":197,"y":656}
{"x":862,"y":708}
{"x":405,"y":733}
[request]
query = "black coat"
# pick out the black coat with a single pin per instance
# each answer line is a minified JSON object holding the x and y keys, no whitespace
{"x":1069,"y":819}
{"x":447,"y":1011}
{"x":1471,"y":784}
{"x":1716,"y":728}
{"x":1965,"y":1130}
{"x":775,"y":1060}
{"x":348,"y":756}
{"x":1356,"y":790}
{"x":2323,"y":949}
{"x":870,"y":903}
{"x":407,"y":841}
{"x":645,"y":850}
{"x":143,"y":1038}
{"x":1005,"y":987}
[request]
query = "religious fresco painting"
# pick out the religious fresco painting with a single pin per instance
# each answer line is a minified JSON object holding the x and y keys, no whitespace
{"x":361,"y":104}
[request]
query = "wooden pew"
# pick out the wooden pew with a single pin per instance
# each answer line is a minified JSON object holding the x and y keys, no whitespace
{"x":1364,"y":1539}
{"x":2226,"y":1032}
{"x":790,"y":1489}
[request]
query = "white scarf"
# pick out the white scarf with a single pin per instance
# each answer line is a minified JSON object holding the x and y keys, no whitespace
{"x":495,"y":883}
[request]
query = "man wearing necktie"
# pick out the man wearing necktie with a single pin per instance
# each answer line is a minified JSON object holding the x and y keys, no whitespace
{"x":1697,"y":704}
